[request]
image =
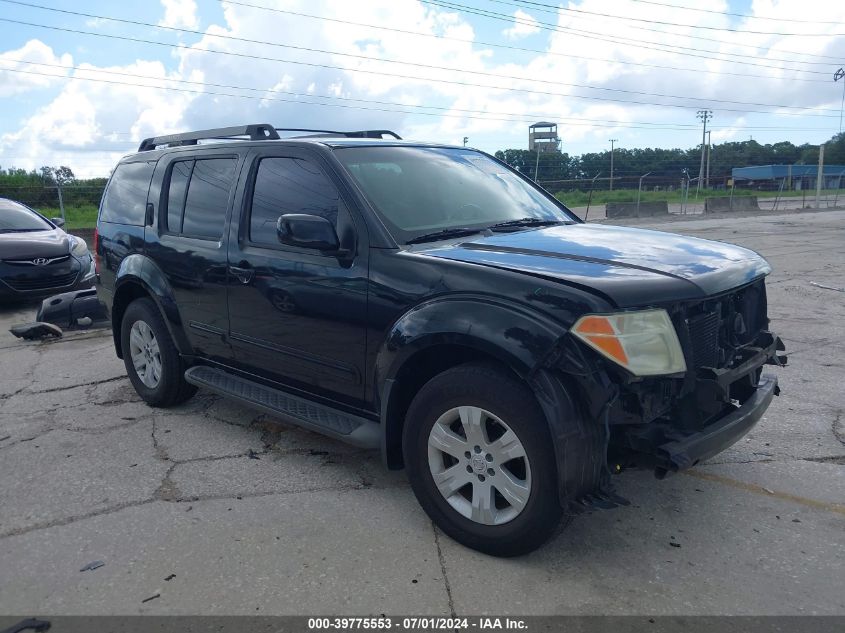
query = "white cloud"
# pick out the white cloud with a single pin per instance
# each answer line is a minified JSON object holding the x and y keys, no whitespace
{"x":524,"y":24}
{"x":449,"y":74}
{"x":179,"y":14}
{"x":17,"y":76}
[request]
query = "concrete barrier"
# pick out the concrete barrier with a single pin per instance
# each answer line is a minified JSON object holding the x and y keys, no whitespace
{"x":727,"y":204}
{"x":629,"y":209}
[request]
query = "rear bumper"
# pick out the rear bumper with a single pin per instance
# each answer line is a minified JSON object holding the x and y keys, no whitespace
{"x":719,"y":435}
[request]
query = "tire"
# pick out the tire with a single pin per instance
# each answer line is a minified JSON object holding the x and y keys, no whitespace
{"x":507,"y":507}
{"x":159,"y":377}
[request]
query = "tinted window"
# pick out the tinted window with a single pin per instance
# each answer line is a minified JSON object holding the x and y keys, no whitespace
{"x":179,"y":175}
{"x":419,"y":190}
{"x":289,"y":185}
{"x":125,"y":201}
{"x":15,"y":217}
{"x":208,"y":197}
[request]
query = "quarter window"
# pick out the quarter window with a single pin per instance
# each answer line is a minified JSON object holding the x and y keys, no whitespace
{"x":198,"y":196}
{"x":289,"y":185}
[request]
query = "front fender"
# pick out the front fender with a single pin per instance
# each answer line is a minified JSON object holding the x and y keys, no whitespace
{"x":518,"y":336}
{"x":140,"y":270}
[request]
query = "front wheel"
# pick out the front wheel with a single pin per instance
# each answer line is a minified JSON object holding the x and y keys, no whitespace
{"x":480,"y":461}
{"x":152,"y":361}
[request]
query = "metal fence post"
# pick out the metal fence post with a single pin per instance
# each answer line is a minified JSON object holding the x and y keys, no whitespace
{"x":61,"y":201}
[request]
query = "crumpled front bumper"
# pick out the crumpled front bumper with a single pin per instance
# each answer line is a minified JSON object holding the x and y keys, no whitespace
{"x":712,"y":439}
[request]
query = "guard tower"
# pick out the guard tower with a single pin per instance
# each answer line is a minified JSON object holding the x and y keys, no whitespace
{"x":542,"y":137}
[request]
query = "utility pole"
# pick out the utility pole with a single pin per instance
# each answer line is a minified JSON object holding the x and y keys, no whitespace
{"x":840,"y":74}
{"x":820,"y":177}
{"x":536,"y":163}
{"x":704,"y":115}
{"x":612,"y":141}
{"x":466,"y":140}
{"x":707,"y":172}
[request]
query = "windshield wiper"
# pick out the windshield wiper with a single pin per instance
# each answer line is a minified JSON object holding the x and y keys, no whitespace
{"x":443,"y":234}
{"x":525,"y":222}
{"x":20,"y":230}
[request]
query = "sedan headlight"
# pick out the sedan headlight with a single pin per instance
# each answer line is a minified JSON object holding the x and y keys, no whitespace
{"x":643,"y":342}
{"x":78,"y":247}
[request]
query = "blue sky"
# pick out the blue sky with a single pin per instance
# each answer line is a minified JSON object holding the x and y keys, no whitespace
{"x":601,"y":69}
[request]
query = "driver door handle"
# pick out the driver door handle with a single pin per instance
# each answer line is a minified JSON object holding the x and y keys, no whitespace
{"x":244,"y":273}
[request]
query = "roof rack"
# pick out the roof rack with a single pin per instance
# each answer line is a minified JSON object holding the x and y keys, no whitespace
{"x":255,"y":132}
{"x":357,"y":134}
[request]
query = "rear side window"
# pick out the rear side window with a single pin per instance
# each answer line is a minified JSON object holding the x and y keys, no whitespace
{"x":176,"y":194}
{"x":125,"y":201}
{"x":198,"y":196}
{"x":289,"y":185}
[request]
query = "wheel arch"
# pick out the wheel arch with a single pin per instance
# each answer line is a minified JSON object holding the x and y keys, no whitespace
{"x":442,"y":334}
{"x":138,"y":277}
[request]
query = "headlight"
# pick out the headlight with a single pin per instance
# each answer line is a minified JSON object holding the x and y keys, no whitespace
{"x":643,"y":342}
{"x":78,"y":247}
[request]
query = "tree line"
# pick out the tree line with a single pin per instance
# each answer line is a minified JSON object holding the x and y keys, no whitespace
{"x":38,"y":188}
{"x":557,"y":171}
{"x":561,"y":171}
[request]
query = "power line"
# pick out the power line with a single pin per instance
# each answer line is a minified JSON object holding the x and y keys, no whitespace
{"x":525,"y":119}
{"x":525,"y":4}
{"x":520,"y":48}
{"x":449,"y":5}
{"x":522,"y":117}
{"x":453,"y":82}
{"x":667,"y":48}
{"x":738,"y":15}
{"x":388,"y":61}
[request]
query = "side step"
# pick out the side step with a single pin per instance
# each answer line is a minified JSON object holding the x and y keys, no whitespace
{"x":343,"y":426}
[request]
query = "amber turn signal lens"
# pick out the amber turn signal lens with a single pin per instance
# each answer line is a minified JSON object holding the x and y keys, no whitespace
{"x":644,"y":342}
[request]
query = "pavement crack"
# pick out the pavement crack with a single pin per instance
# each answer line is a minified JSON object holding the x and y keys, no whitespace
{"x":82,"y":384}
{"x":838,"y":427}
{"x":73,"y":519}
{"x":269,"y":493}
{"x":442,"y":562}
{"x":831,"y":459}
{"x":167,"y":489}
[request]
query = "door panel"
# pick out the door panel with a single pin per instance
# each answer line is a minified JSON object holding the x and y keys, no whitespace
{"x":297,"y":316}
{"x":189,"y":245}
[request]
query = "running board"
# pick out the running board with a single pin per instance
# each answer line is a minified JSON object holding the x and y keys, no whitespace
{"x":310,"y":415}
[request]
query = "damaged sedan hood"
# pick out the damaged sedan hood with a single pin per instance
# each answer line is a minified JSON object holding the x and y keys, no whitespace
{"x":631,"y":267}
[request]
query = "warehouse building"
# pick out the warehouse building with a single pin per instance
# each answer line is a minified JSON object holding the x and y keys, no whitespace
{"x":787,"y":177}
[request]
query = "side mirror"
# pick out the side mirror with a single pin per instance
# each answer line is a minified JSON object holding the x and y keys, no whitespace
{"x":307,"y":231}
{"x":58,"y":222}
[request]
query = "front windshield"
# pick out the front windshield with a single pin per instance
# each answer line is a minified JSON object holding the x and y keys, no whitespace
{"x":421,"y":190}
{"x":15,"y":217}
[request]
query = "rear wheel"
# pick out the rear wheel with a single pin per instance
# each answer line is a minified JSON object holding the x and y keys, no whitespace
{"x":152,"y":361}
{"x":480,"y":461}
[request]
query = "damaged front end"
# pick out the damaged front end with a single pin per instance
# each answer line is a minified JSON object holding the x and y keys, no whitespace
{"x":673,"y":422}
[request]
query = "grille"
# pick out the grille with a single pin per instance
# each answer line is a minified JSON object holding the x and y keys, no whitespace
{"x":29,"y":262}
{"x":42,"y":283}
{"x":704,"y":336}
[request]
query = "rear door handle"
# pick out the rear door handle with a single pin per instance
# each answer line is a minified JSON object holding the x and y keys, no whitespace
{"x":244,"y":274}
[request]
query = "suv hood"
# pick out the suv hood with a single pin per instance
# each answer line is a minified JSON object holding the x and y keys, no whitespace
{"x":48,"y":243}
{"x":631,"y":267}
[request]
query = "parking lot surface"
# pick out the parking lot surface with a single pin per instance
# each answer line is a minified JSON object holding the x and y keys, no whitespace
{"x":220,"y":510}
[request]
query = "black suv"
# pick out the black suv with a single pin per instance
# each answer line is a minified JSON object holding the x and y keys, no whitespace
{"x":434,"y":303}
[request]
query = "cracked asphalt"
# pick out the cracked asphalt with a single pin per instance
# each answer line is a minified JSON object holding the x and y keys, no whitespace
{"x":221,"y":510}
